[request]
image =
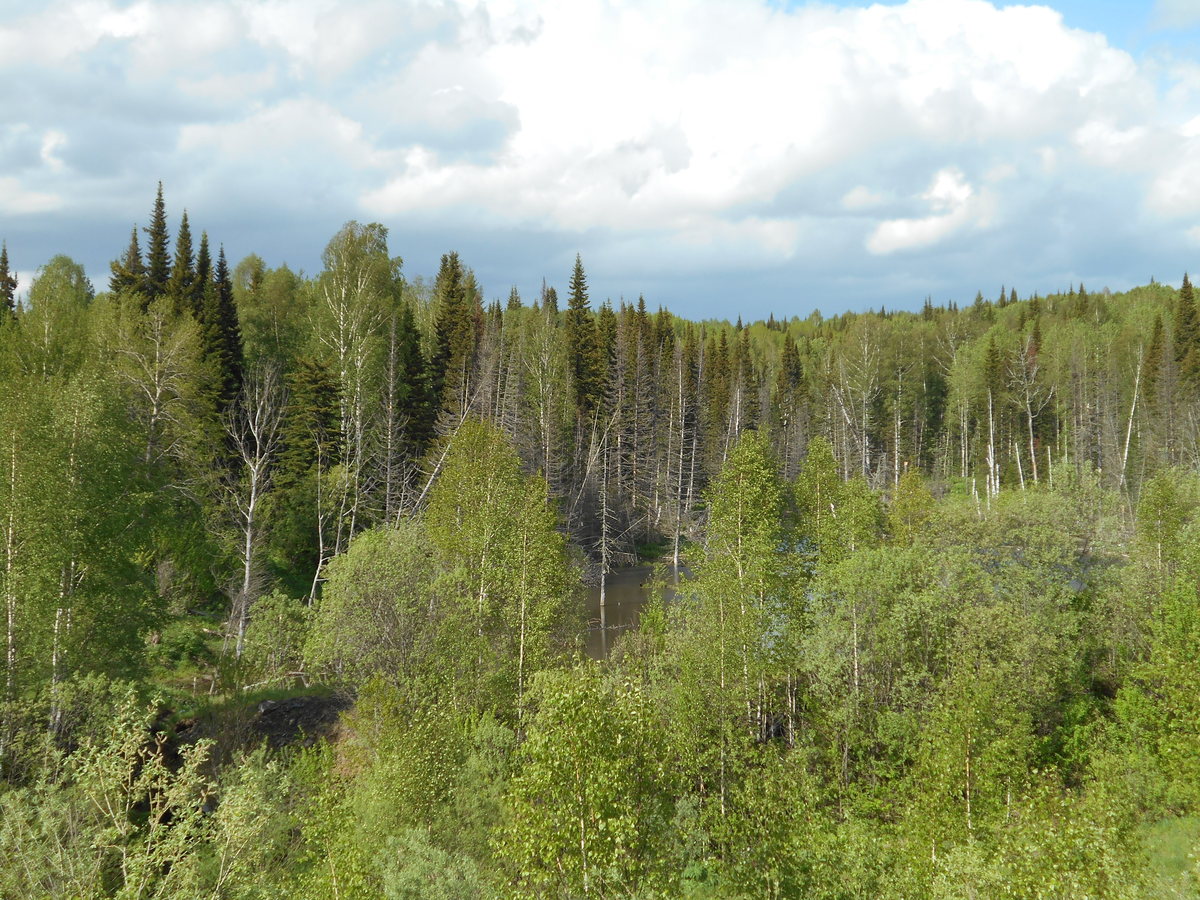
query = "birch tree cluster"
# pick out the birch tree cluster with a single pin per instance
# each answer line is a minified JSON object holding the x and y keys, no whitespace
{"x":924,"y":623}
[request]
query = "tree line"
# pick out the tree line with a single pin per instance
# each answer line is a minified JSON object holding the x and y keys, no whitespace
{"x":937,"y":640}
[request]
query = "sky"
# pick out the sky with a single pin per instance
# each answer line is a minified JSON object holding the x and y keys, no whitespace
{"x":719,"y":157}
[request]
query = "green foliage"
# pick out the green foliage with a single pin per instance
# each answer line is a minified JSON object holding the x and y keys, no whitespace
{"x":8,"y":285}
{"x":583,"y":347}
{"x":503,"y":573}
{"x":590,"y":799}
{"x":158,"y":262}
{"x":128,"y":272}
{"x":818,"y":493}
{"x":1173,"y":850}
{"x":111,"y":819}
{"x":1050,"y":845}
{"x":221,"y":334}
{"x":73,"y":525}
{"x":1187,"y":335}
{"x":1166,"y":504}
{"x":992,"y":703}
{"x":276,"y":636}
{"x":910,"y":509}
{"x":182,"y":283}
{"x":375,"y":616}
{"x":455,"y":333}
{"x":414,"y":868}
{"x":1160,"y":704}
{"x":54,"y":339}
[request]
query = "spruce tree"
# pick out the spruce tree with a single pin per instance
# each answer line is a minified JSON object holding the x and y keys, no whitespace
{"x":748,"y":381}
{"x":1187,"y":335}
{"x":310,"y":428}
{"x":204,"y":275}
{"x":606,"y":333}
{"x":128,"y":272}
{"x":1152,"y":363}
{"x":791,"y":371}
{"x":454,"y":332}
{"x":642,"y":319}
{"x":415,"y":396}
{"x":583,"y":348}
{"x":309,"y":440}
{"x":514,"y":299}
{"x":183,"y":272}
{"x":664,"y":330}
{"x":222,"y":333}
{"x":8,"y":285}
{"x":158,"y":262}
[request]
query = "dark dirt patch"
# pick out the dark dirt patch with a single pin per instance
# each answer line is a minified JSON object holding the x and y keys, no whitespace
{"x":299,"y":721}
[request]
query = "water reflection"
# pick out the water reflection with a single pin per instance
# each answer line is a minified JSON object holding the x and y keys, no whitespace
{"x":626,"y":592}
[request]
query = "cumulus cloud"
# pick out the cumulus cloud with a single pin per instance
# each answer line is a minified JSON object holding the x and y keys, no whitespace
{"x":750,"y":101}
{"x":954,"y":205}
{"x":1176,"y":191}
{"x":726,"y":133}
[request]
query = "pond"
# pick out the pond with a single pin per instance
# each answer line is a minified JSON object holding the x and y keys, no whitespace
{"x":626,"y":592}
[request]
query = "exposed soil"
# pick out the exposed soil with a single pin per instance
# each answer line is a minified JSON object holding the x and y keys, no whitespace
{"x":299,"y":721}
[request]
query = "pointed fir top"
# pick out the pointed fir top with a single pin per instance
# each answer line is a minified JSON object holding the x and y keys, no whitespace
{"x":203,"y":260}
{"x":579,"y":289}
{"x":183,"y":271}
{"x":158,"y":261}
{"x":128,"y":272}
{"x":8,"y":284}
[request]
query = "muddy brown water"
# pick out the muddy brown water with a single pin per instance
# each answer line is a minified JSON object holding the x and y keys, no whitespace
{"x":626,"y":592}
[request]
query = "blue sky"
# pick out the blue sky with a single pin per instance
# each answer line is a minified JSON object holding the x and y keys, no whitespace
{"x":723,"y":157}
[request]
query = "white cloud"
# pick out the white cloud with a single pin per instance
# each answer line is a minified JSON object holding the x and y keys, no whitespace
{"x":1177,"y":13}
{"x":618,"y":127}
{"x":276,"y":135}
{"x":1111,"y":145}
{"x":1194,"y":234}
{"x":954,"y":205}
{"x":53,"y":141}
{"x":861,"y":197}
{"x":717,"y":129}
{"x":1176,"y":190}
{"x":16,"y":200}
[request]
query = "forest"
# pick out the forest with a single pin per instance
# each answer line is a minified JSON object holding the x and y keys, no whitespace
{"x":924,"y":622}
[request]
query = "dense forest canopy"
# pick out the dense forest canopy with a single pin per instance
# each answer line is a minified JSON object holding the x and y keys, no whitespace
{"x":926,"y":623}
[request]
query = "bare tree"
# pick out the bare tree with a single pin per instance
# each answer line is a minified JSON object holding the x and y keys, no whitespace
{"x":252,"y":425}
{"x":1024,"y":372}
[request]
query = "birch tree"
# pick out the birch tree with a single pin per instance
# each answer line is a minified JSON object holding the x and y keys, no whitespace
{"x":252,"y":426}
